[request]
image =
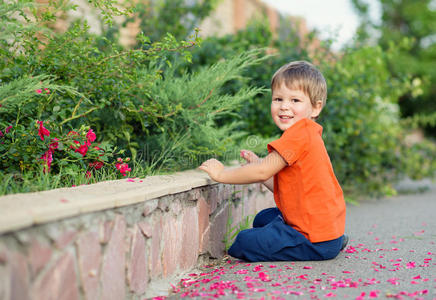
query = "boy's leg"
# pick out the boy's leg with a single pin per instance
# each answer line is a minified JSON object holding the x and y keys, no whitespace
{"x":279,"y":241}
{"x":265,"y":216}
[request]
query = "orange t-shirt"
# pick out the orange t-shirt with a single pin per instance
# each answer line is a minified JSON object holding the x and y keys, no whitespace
{"x":306,"y":191}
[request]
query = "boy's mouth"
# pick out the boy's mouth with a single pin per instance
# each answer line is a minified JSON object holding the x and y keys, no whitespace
{"x":285,"y":117}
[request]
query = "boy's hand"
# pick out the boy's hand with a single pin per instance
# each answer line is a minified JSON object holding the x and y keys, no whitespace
{"x":213,"y":167}
{"x":249,"y":156}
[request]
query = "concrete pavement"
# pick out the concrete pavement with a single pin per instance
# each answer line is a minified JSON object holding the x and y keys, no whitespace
{"x":391,"y":254}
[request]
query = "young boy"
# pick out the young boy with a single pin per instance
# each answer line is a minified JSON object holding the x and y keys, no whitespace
{"x":309,"y":220}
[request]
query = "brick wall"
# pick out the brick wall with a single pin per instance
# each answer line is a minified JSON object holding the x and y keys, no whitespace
{"x":118,"y":239}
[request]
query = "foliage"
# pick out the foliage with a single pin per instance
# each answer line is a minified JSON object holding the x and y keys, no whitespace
{"x":257,"y":35}
{"x":187,"y":130}
{"x":362,"y":129}
{"x":132,"y":98}
{"x":179,"y":17}
{"x":411,"y":24}
{"x":171,"y":104}
{"x":363,"y":132}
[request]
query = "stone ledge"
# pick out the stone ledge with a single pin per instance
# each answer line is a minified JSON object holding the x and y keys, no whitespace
{"x":24,"y":210}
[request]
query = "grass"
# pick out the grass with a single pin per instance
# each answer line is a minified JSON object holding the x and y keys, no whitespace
{"x":31,"y":182}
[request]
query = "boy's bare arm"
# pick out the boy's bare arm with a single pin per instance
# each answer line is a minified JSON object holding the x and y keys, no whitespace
{"x":269,"y":183}
{"x":251,"y":173}
{"x":251,"y":157}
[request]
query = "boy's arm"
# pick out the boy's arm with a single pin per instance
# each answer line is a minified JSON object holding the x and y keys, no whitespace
{"x":251,"y":157}
{"x":269,"y":183}
{"x":250,"y":173}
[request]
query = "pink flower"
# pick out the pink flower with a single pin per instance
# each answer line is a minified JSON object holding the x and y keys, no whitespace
{"x":88,"y":174}
{"x":47,"y":91}
{"x":123,"y":168}
{"x":8,"y":129}
{"x":42,"y":131}
{"x":48,"y":158}
{"x":1,"y":133}
{"x":38,"y":91}
{"x":90,"y":136}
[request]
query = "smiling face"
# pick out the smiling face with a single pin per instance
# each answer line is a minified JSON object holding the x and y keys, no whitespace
{"x":289,"y":106}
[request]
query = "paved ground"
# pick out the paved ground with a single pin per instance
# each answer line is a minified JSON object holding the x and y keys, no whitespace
{"x":391,"y":254}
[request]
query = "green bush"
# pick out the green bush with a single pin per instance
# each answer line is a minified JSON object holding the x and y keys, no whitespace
{"x":363,"y":132}
{"x":362,"y":129}
{"x":132,"y":98}
{"x":171,"y":104}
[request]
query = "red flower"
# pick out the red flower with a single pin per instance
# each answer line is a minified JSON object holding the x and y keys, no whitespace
{"x":72,"y":133}
{"x":96,"y":165}
{"x":73,"y":146}
{"x":55,"y":144}
{"x":48,"y":157}
{"x":42,"y":131}
{"x":82,"y":149}
{"x":88,"y":174}
{"x":38,"y":91}
{"x":8,"y":129}
{"x":123,"y":168}
{"x":91,"y":136}
{"x":1,"y":133}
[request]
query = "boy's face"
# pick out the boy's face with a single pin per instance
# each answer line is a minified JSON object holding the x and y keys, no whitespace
{"x":290,"y":106}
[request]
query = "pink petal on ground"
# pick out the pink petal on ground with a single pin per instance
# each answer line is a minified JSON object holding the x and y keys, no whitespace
{"x":264,"y":277}
{"x":351,"y":249}
{"x":417,"y":277}
{"x":410,"y":265}
{"x":257,"y":268}
{"x":130,"y":180}
{"x":361,"y":297}
{"x":329,"y":295}
{"x":373,"y":294}
{"x":393,"y":281}
{"x":307,"y":267}
{"x":63,"y":200}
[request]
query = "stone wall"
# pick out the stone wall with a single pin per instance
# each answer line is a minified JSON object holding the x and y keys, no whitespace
{"x":124,"y":239}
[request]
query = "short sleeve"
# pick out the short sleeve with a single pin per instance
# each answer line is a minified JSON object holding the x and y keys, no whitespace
{"x":293,"y":142}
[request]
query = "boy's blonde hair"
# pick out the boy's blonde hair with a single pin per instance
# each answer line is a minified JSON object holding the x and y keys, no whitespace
{"x":303,"y":76}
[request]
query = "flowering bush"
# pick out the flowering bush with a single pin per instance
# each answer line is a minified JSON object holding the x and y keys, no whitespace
{"x":44,"y":146}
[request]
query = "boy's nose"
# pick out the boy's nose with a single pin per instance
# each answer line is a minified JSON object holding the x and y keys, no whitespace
{"x":285,"y":105}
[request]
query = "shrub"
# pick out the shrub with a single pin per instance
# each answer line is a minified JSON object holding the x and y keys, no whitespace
{"x":132,"y":99}
{"x":363,"y":132}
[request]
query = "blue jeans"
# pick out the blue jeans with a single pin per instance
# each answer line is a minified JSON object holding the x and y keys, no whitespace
{"x":271,"y":239}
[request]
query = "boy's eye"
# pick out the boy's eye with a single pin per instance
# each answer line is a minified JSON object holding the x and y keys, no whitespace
{"x":295,"y":100}
{"x":277,"y":99}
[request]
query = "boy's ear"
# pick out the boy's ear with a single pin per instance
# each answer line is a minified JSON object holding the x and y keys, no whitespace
{"x":316,"y":109}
